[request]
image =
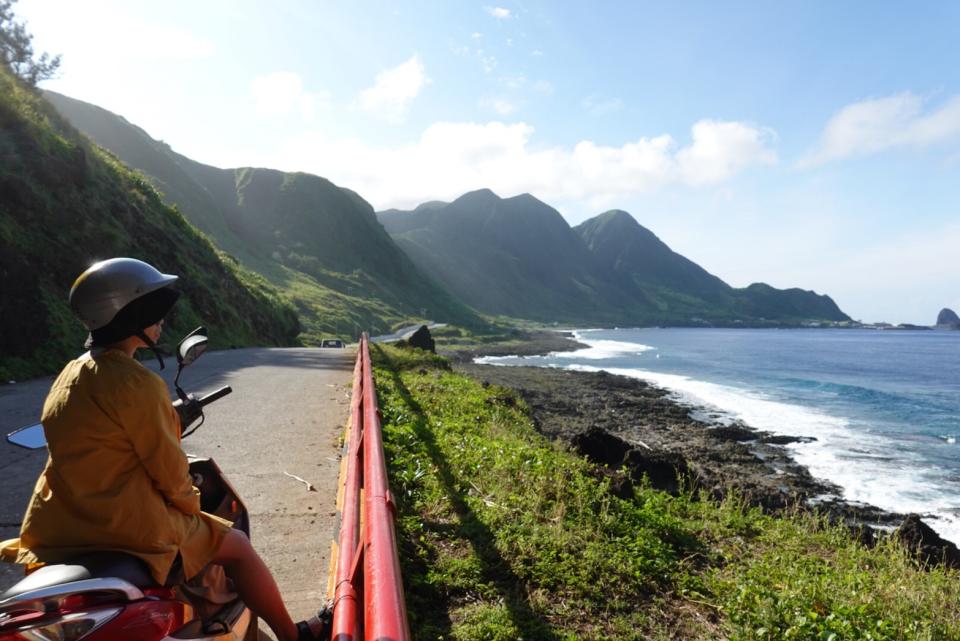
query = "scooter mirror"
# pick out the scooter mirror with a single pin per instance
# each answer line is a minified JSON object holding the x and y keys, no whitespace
{"x":192,"y":346}
{"x":31,"y":437}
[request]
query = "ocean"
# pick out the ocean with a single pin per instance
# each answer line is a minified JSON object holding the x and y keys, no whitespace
{"x":883,"y":406}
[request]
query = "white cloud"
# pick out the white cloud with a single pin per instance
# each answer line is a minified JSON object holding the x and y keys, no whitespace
{"x":487,"y":61}
{"x":544,"y":87}
{"x":451,"y":158}
{"x":498,"y":12}
{"x":500,"y":105}
{"x":394,"y":90}
{"x":476,"y":35}
{"x":170,"y":43}
{"x":874,"y":125}
{"x":536,"y":53}
{"x":85,"y":37}
{"x":281,"y":93}
{"x":722,"y":149}
{"x":514,"y":82}
{"x":601,"y":107}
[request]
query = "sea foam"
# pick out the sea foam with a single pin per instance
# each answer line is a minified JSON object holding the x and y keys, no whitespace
{"x":602,"y":349}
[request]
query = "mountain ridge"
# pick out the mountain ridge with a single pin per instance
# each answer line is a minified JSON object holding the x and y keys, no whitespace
{"x":66,"y":203}
{"x":499,"y":256}
{"x":615,"y":264}
{"x":318,"y":242}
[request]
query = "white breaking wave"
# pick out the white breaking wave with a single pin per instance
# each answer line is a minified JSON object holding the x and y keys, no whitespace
{"x":601,"y":349}
{"x":870,"y":468}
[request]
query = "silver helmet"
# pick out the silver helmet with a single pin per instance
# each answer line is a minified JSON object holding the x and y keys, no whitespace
{"x":103,"y":290}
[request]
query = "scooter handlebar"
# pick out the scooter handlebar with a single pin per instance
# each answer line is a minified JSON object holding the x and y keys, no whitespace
{"x":191,"y":408}
{"x":214,"y":396}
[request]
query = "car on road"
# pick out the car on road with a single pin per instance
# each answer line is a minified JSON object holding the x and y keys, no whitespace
{"x":332,"y":342}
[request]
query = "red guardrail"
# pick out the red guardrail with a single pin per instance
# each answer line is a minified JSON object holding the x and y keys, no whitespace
{"x":367,"y":535}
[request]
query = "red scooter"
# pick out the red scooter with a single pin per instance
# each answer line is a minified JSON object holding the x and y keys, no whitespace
{"x":110,"y":596}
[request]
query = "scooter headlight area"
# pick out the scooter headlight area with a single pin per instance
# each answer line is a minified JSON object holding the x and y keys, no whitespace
{"x":72,"y":626}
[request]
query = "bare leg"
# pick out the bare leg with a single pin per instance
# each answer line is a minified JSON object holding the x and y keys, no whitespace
{"x":255,"y":584}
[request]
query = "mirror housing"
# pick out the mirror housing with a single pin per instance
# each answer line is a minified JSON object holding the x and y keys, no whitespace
{"x":192,"y":346}
{"x":188,"y":350}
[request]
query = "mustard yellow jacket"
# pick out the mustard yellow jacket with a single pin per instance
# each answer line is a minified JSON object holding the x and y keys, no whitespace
{"x":116,"y":478}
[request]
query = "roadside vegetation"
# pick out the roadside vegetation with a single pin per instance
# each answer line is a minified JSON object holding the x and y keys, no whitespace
{"x":505,"y":535}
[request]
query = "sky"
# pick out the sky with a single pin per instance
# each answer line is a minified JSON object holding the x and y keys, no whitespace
{"x":808,"y":144}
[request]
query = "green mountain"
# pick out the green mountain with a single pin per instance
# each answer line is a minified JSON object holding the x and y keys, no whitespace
{"x":680,"y":289}
{"x":64,"y":204}
{"x":319,"y":243}
{"x":518,"y":257}
{"x":511,"y":256}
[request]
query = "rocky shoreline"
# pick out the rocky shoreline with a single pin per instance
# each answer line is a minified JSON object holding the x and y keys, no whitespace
{"x":628,"y":424}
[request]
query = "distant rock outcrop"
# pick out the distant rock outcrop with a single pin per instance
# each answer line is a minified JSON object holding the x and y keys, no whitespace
{"x":920,"y":539}
{"x":948,"y":318}
{"x":663,"y":469}
{"x":421,"y":339}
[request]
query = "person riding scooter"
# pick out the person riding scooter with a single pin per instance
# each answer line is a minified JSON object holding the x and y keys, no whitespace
{"x":116,"y":478}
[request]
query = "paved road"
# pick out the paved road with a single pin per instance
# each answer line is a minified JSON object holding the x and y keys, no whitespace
{"x":286,"y":414}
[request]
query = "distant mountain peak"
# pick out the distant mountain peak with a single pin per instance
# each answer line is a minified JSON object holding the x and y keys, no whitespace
{"x":948,"y":317}
{"x":618,"y":214}
{"x":429,"y":205}
{"x":478,"y":195}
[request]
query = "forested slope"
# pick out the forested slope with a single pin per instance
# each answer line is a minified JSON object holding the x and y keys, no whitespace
{"x":64,"y":204}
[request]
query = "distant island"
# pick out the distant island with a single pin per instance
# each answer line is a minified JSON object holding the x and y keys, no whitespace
{"x":948,"y":319}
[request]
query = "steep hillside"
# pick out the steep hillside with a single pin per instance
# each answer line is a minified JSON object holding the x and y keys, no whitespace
{"x":681,"y":289}
{"x":64,"y":204}
{"x":677,"y":287}
{"x":318,"y":242}
{"x":517,"y":256}
{"x":513,"y":256}
{"x":762,"y":301}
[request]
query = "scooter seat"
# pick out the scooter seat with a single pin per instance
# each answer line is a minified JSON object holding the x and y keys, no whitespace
{"x":89,"y":566}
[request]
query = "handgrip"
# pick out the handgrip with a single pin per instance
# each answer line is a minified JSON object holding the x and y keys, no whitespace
{"x":215,"y":395}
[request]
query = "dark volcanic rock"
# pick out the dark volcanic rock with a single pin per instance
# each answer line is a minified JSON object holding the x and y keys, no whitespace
{"x":783,"y":439}
{"x":734,"y":433}
{"x":530,"y":343}
{"x":920,"y":539}
{"x":422,"y":339}
{"x":948,"y":317}
{"x":664,"y":470}
{"x":601,"y":447}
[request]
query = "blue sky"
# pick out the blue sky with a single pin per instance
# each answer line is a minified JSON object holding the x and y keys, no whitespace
{"x":806,"y":144}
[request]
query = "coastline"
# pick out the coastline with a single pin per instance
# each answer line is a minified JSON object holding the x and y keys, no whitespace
{"x":633,"y":425}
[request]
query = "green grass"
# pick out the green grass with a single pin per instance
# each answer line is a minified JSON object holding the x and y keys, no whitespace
{"x":802,"y":578}
{"x":504,"y":535}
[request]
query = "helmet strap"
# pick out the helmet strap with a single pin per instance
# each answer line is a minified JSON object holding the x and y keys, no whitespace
{"x":151,"y":345}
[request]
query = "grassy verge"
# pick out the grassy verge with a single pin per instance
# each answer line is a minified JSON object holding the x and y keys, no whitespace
{"x":504,"y":535}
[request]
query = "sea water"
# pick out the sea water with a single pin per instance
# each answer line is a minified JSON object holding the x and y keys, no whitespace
{"x":883,"y":406}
